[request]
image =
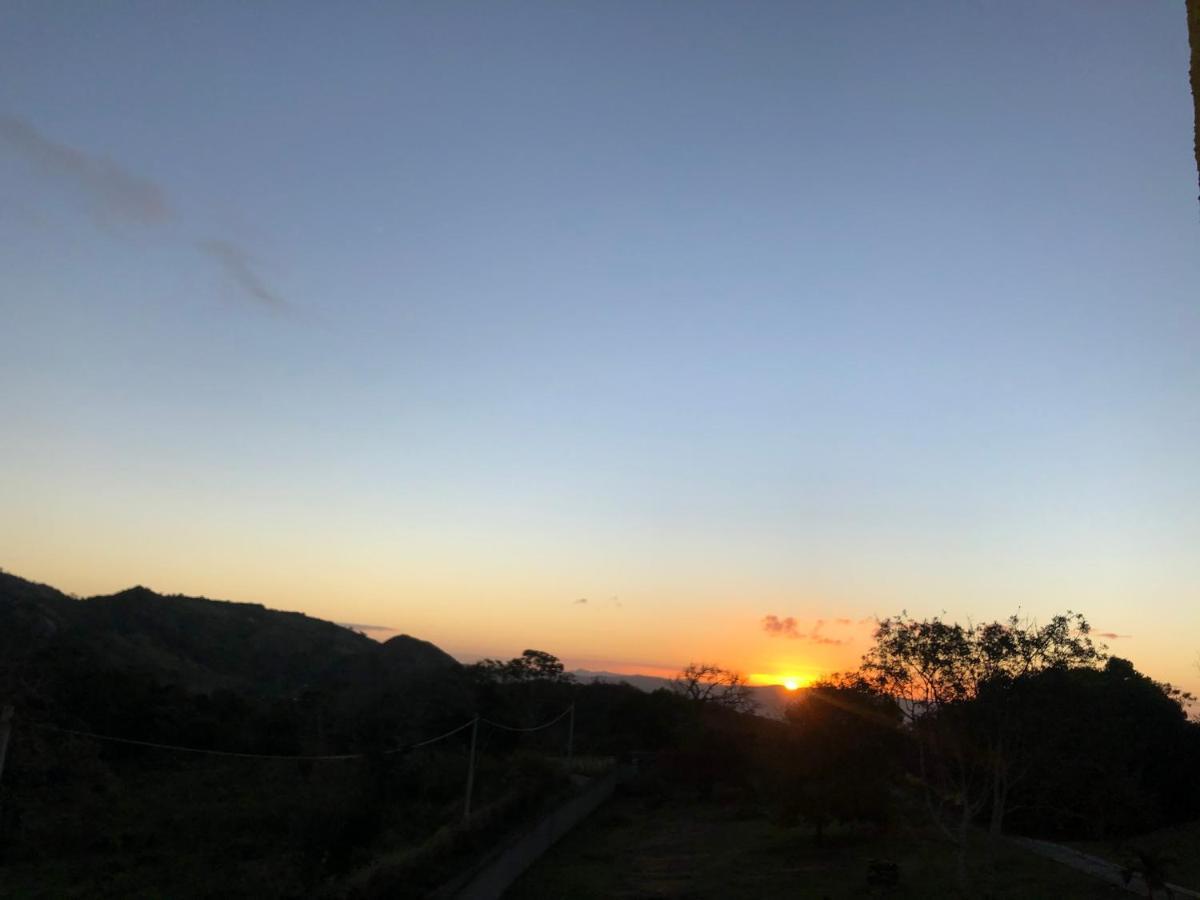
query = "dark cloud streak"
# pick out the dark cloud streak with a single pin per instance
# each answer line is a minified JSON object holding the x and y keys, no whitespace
{"x":239,"y":266}
{"x":114,"y":193}
{"x":117,"y":195}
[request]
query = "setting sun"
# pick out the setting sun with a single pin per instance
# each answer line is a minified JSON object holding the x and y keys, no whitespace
{"x":787,"y":682}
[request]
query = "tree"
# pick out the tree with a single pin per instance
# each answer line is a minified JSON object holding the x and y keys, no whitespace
{"x":531,"y":665}
{"x":842,"y":753}
{"x":1114,"y":728}
{"x":708,"y":684}
{"x":956,"y":685}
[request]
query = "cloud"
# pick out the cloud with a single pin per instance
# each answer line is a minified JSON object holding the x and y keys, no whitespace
{"x":1111,"y":635}
{"x":113,"y":192}
{"x":612,"y":602}
{"x":842,"y":622}
{"x":817,"y":638}
{"x":777,"y":627}
{"x":822,"y":639}
{"x":238,"y":265}
{"x":788,"y":628}
{"x":118,"y":195}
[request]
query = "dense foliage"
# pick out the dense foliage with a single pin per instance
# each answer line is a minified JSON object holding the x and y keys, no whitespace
{"x":1004,"y":725}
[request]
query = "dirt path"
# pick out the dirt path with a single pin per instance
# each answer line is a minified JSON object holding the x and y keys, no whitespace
{"x":1094,"y":866}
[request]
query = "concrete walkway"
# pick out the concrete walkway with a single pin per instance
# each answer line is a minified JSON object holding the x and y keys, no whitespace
{"x":1094,"y":866}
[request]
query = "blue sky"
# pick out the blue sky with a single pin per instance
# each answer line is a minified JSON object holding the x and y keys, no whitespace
{"x":434,"y":315}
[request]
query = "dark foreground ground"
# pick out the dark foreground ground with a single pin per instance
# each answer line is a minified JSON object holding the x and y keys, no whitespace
{"x":1178,"y":845}
{"x":638,"y":848}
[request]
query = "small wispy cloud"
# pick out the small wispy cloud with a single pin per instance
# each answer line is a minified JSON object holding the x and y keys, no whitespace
{"x":823,"y":639}
{"x":612,"y":602}
{"x":789,"y":628}
{"x":817,"y":637}
{"x":777,"y":627}
{"x":239,"y":266}
{"x":1111,"y":635}
{"x":113,"y":192}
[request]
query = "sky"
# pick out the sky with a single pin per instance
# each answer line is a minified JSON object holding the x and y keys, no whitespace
{"x":609,"y":329}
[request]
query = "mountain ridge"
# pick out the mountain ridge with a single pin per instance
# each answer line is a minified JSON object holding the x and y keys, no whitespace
{"x":197,"y":643}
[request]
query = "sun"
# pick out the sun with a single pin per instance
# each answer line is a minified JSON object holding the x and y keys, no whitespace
{"x":791,"y":684}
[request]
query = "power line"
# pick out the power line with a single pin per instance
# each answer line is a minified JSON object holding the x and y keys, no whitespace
{"x":180,"y":749}
{"x":502,"y":727}
{"x":204,"y":751}
{"x":434,"y":740}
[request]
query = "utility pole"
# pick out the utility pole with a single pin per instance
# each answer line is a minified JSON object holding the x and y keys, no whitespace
{"x":571,"y":736}
{"x":471,"y":769}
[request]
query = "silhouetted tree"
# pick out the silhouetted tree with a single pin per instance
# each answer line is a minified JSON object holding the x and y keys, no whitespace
{"x":843,"y":753}
{"x":705,"y":683}
{"x":531,"y":665}
{"x":955,"y":684}
{"x":1114,"y":753}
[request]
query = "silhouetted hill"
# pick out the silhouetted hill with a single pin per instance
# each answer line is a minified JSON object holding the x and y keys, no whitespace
{"x":197,"y":643}
{"x":407,"y":652}
{"x":31,"y":615}
{"x":401,"y":661}
{"x":204,"y":644}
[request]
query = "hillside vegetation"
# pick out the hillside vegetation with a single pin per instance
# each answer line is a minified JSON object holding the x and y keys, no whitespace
{"x":946,"y":738}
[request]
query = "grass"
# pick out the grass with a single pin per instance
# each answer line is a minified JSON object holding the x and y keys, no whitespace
{"x":1180,"y":842}
{"x":259,"y":829}
{"x":636,"y":848}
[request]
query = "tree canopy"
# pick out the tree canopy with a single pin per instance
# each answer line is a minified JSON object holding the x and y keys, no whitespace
{"x":531,"y":665}
{"x":706,"y":683}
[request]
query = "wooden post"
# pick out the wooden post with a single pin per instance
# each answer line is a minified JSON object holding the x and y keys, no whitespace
{"x":471,"y":769}
{"x":6,"y":717}
{"x":571,"y":736}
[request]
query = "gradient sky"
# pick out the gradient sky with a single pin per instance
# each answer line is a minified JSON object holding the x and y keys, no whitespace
{"x":443,"y":317}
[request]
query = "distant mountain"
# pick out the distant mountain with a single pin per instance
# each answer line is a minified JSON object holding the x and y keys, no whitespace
{"x":771,"y":698}
{"x":642,"y":682}
{"x":399,"y":660}
{"x":196,"y":643}
{"x":203,"y":645}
